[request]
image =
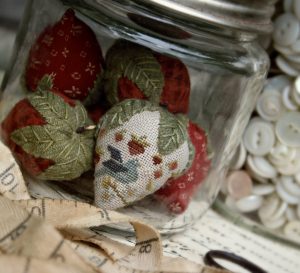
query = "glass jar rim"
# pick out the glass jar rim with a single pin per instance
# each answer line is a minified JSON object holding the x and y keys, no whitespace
{"x":252,"y":16}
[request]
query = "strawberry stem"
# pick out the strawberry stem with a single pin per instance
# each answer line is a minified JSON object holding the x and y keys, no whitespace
{"x":82,"y":129}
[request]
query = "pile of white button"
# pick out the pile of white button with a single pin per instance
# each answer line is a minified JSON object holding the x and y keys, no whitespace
{"x":286,"y":37}
{"x":265,"y":171}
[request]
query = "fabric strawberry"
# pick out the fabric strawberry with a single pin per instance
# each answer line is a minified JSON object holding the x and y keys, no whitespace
{"x":177,"y":192}
{"x":134,"y":71}
{"x":69,"y":51}
{"x":138,"y":148}
{"x":46,"y":132}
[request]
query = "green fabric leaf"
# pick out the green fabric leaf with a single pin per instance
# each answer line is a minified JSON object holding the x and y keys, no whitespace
{"x":95,"y":92}
{"x":58,"y":140}
{"x":46,"y":83}
{"x":172,"y":133}
{"x":138,"y":64}
{"x":183,"y":119}
{"x":123,"y":112}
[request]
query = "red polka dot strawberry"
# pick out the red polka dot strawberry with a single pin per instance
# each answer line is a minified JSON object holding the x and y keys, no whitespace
{"x":50,"y":135}
{"x":177,"y":192}
{"x":134,"y":71}
{"x":70,"y":52}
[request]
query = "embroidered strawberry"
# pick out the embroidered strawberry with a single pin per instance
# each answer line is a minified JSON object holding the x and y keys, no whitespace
{"x":137,"y":166}
{"x":178,"y":192}
{"x":137,"y":145}
{"x":44,"y":136}
{"x":134,"y":71}
{"x":70,"y":52}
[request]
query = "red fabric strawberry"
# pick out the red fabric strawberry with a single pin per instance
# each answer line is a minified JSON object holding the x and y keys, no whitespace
{"x":177,"y":192}
{"x":44,"y":124}
{"x":134,"y":71}
{"x":176,"y":91}
{"x":70,"y":52}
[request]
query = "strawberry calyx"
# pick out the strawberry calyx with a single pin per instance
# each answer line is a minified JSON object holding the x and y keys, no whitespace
{"x":22,"y":115}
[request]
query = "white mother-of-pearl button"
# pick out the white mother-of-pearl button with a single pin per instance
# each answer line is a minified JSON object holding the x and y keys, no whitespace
{"x":297,"y":83}
{"x":294,"y":59}
{"x":276,"y":84}
{"x":269,"y":106}
{"x":281,"y":154}
{"x":239,"y":184}
{"x":290,"y":185}
{"x":297,"y":177}
{"x":286,"y":67}
{"x":296,"y":8}
{"x":285,"y":50}
{"x":239,"y":158}
{"x":296,"y":96}
{"x":289,"y":169}
{"x":263,"y":189}
{"x":259,"y":137}
{"x":274,"y":224}
{"x":293,"y":166}
{"x":280,"y":211}
{"x":286,"y":29}
{"x":269,"y":207}
{"x":255,"y":176}
{"x":230,"y":203}
{"x":292,"y":230}
{"x":296,"y":91}
{"x":296,"y":63}
{"x":296,"y":46}
{"x":272,"y":208}
{"x":285,"y":195}
{"x":288,"y":5}
{"x":261,"y":166}
{"x":298,"y":211}
{"x":287,"y":100}
{"x":291,"y":214}
{"x":288,"y":129}
{"x":249,"y":203}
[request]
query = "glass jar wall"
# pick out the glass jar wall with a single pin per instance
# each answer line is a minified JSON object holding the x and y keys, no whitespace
{"x":146,"y":100}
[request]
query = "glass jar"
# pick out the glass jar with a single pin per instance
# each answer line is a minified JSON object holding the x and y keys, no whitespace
{"x":262,"y":188}
{"x":212,"y":46}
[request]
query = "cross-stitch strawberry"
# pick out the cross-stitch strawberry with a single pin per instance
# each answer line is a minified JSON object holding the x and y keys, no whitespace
{"x":139,"y":147}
